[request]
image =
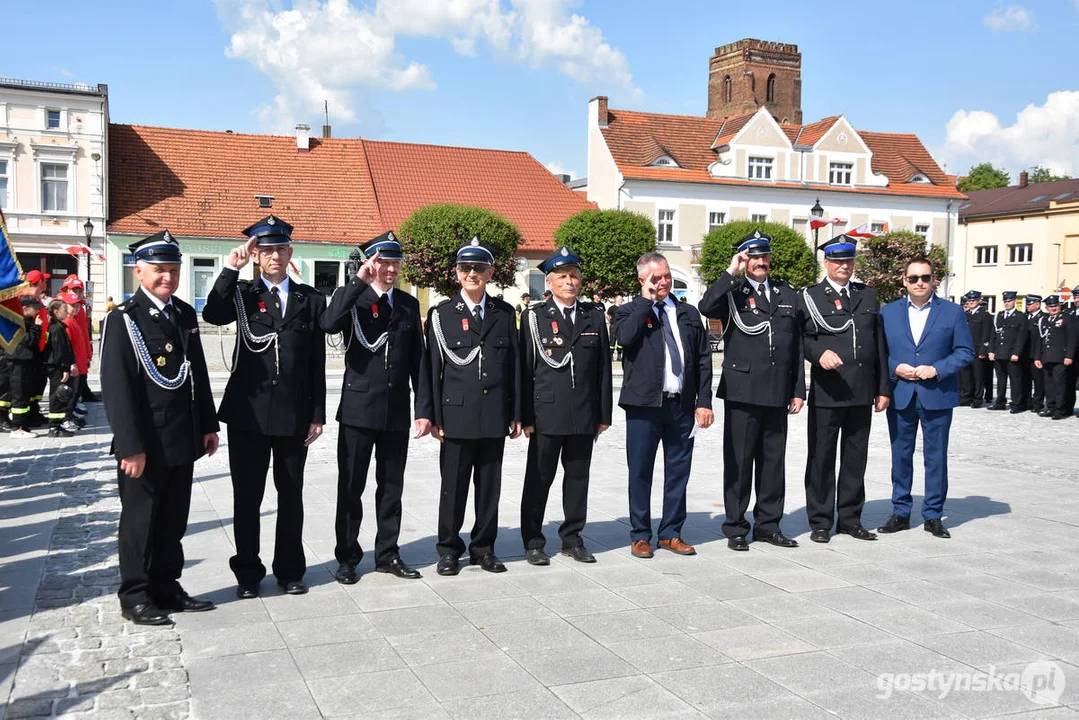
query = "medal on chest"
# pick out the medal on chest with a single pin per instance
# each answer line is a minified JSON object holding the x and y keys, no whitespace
{"x":648,"y":320}
{"x":464,"y":324}
{"x":374,"y":311}
{"x":160,"y":361}
{"x":753,"y":305}
{"x":168,"y":347}
{"x":262,"y":306}
{"x":838,"y":304}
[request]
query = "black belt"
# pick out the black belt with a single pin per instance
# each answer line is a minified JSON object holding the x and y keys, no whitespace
{"x":671,"y":396}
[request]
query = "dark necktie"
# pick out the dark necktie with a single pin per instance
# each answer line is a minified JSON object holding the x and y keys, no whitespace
{"x":276,"y":299}
{"x":762,"y":298}
{"x":668,"y":337}
{"x":169,"y":313}
{"x":844,"y":298}
{"x":477,"y":316}
{"x":384,"y":309}
{"x":568,"y":312}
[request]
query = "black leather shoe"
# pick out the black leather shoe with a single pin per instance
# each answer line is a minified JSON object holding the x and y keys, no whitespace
{"x":398,"y":567}
{"x":738,"y":542}
{"x":579,"y":553}
{"x":247,"y":591}
{"x":1060,"y":416}
{"x":997,"y":406}
{"x":820,"y":536}
{"x":895,"y":524}
{"x":1044,"y":413}
{"x":857,"y":532}
{"x":346,"y":574}
{"x":937,"y":528}
{"x":536,"y":556}
{"x":182,"y":602}
{"x":778,"y":539}
{"x":488,"y":562}
{"x":146,"y":614}
{"x":296,"y":587}
{"x":447,"y":565}
{"x":1016,"y":410}
{"x":977,"y":404}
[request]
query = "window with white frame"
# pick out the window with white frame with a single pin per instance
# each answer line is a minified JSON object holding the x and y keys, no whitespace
{"x":52,"y":119}
{"x":131,"y":285}
{"x":840,"y":173}
{"x":666,"y":228}
{"x":715,"y":219}
{"x":758,"y":218}
{"x":203,"y":274}
{"x":922,"y":231}
{"x":1020,"y":254}
{"x":985,"y":255}
{"x":760,"y":168}
{"x":3,"y":183}
{"x":53,"y":187}
{"x":877,"y":228}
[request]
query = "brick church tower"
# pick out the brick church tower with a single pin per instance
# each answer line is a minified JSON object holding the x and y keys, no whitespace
{"x":746,"y":74}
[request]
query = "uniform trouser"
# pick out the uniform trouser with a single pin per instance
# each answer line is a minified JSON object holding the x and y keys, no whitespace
{"x":1037,"y":382}
{"x":5,"y":384}
{"x":1009,"y":375}
{"x":903,"y":430}
{"x":823,"y":495}
{"x":540,"y":468}
{"x":967,"y":383}
{"x":22,"y":387}
{"x":646,"y":428}
{"x":58,"y":411}
{"x":1056,"y":390}
{"x":41,"y":381}
{"x":153,"y":520}
{"x":354,"y":447}
{"x":1069,"y":388}
{"x":460,"y":461}
{"x":249,"y":460}
{"x":987,"y":379}
{"x":754,"y":459}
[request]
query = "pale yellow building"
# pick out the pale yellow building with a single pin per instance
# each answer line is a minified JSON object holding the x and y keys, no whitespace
{"x":1023,"y":237}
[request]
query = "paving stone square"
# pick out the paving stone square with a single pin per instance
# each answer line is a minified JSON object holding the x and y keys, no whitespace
{"x":819,"y":631}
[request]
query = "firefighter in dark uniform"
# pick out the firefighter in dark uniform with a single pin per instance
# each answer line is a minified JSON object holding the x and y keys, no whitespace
{"x":1073,"y":369}
{"x":1009,"y":349}
{"x":763,"y":380}
{"x":1033,"y":380}
{"x":1055,"y":354}
{"x":275,"y":399}
{"x":469,"y":399}
{"x":383,"y":340}
{"x":844,"y":344}
{"x":565,"y":403}
{"x":972,"y":377}
{"x":156,"y":391}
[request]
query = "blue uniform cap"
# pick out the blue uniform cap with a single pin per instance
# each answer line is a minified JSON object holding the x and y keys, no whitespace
{"x":1051,"y":300}
{"x":476,"y":251}
{"x":385,"y":245}
{"x":158,"y":248}
{"x":1033,"y":298}
{"x":841,"y":247}
{"x":973,"y":295}
{"x":1009,"y":295}
{"x":563,"y":257}
{"x":756,"y":243}
{"x":270,"y":230}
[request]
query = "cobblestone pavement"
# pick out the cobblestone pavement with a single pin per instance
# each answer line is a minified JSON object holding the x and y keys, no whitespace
{"x":814,"y":632}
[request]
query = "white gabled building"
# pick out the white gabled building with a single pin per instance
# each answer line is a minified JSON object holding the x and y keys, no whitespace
{"x":689,"y":174}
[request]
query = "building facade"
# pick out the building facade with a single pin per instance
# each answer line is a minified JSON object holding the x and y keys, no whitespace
{"x":53,"y":170}
{"x":1023,"y":237}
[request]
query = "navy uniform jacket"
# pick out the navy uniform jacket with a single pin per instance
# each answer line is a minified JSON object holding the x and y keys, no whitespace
{"x":753,"y":372}
{"x":864,"y":372}
{"x":637,"y":329}
{"x":1061,"y":338}
{"x":1010,"y":336}
{"x":552,"y":401}
{"x":981,"y":330}
{"x":167,"y":425}
{"x":27,"y":349}
{"x":375,"y":393}
{"x":255,"y":400}
{"x":481,"y":399}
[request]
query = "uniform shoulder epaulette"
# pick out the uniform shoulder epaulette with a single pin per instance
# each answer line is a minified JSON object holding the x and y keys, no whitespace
{"x":500,"y":303}
{"x":125,"y":307}
{"x":184,"y":307}
{"x":858,"y":285}
{"x":440,"y":303}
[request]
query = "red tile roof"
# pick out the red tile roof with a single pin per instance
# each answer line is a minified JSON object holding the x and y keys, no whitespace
{"x":631,"y":137}
{"x":1016,"y":200}
{"x":345,"y":190}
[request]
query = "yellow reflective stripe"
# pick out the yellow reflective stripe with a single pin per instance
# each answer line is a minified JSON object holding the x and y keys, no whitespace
{"x":4,"y":403}
{"x":57,"y":416}
{"x":19,"y":411}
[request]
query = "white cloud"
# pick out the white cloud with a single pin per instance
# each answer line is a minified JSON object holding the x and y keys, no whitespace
{"x":1045,"y":135}
{"x":1012,"y":17}
{"x":333,"y":50}
{"x":555,"y":168}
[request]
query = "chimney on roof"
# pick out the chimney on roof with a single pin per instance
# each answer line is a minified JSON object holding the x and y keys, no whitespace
{"x":1023,"y":179}
{"x":326,"y":127}
{"x":303,"y":137}
{"x":326,"y":131}
{"x":601,"y":105}
{"x":563,"y":178}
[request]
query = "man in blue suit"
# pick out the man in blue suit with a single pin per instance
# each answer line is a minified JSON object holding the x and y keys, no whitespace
{"x":928,"y":343}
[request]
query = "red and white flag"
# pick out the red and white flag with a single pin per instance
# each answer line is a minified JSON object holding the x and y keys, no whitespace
{"x":817,"y":223}
{"x":862,"y":231}
{"x":73,"y":249}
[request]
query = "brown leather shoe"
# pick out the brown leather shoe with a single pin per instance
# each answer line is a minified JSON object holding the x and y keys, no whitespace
{"x":641,"y":549}
{"x":678,"y":546}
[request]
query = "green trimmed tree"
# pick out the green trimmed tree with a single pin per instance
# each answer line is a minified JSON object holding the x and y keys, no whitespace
{"x":984,"y":177}
{"x":1040,"y":173}
{"x":431,"y":235}
{"x":883,"y":259}
{"x":792,"y":259}
{"x":609,"y":242}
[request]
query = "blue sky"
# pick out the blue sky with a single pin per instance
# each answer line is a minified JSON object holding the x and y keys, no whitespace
{"x":975,"y":80}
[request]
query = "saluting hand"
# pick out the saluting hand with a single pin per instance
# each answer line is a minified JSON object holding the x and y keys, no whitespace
{"x":368,"y":272}
{"x":241,"y":255}
{"x":738,"y":264}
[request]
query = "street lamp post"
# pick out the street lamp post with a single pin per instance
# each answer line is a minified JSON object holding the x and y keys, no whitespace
{"x":818,"y":212}
{"x":88,"y":228}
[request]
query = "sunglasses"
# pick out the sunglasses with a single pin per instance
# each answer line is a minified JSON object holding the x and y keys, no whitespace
{"x":466,"y":268}
{"x":912,"y":279}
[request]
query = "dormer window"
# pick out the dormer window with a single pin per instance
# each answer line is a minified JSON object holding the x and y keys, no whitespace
{"x":664,"y":161}
{"x":265,"y":201}
{"x":840,"y":173}
{"x":760,"y":168}
{"x":920,"y":179}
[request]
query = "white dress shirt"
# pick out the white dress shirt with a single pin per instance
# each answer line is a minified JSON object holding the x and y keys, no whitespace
{"x":562,"y":310}
{"x":671,"y":383}
{"x":282,"y":289}
{"x":471,"y":306}
{"x":837,"y":287}
{"x":918,"y":316}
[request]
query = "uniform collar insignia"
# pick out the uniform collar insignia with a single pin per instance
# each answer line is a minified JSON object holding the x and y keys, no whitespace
{"x":828,"y":289}
{"x":460,"y":306}
{"x":154,"y":312}
{"x":745,"y":289}
{"x":490,"y":304}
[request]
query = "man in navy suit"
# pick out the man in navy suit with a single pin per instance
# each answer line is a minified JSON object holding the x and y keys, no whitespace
{"x":666,"y":388}
{"x":928,"y":343}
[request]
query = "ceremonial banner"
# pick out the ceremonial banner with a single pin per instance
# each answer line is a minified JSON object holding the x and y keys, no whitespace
{"x":11,"y":323}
